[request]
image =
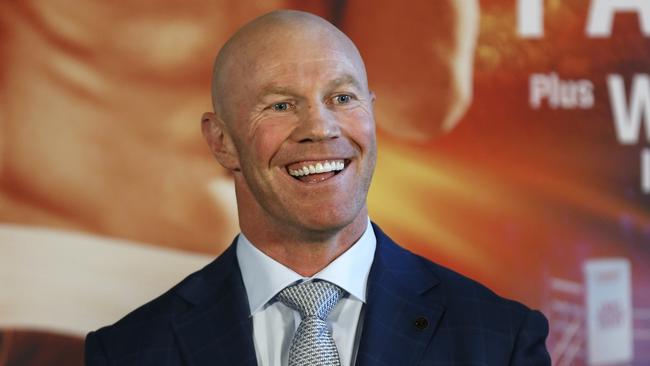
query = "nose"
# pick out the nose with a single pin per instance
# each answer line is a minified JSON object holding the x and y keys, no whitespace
{"x":317,"y":123}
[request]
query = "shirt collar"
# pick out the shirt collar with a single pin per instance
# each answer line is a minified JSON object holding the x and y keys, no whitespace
{"x":264,"y":277}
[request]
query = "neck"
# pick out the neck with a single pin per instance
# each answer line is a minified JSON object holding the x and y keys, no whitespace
{"x":306,"y":252}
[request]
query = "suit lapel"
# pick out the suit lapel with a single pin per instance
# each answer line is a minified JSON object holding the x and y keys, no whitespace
{"x":402,"y":311}
{"x":218,"y":329}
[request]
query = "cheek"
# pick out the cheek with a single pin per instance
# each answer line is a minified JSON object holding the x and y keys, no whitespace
{"x":359,"y":124}
{"x":268,"y":139}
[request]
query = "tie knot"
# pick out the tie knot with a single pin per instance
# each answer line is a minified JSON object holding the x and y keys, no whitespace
{"x":313,"y":298}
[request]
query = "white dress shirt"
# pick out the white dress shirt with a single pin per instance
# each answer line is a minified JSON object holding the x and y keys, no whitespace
{"x":274,"y":323}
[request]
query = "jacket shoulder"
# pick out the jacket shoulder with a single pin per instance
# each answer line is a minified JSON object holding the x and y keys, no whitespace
{"x":467,"y":301}
{"x":147,"y":326}
{"x":460,"y":288}
{"x":454,"y":286}
{"x":476,"y":326}
{"x":150,"y":326}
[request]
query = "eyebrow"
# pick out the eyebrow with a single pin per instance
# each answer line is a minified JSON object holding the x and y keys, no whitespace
{"x":344,"y":79}
{"x":275,"y":89}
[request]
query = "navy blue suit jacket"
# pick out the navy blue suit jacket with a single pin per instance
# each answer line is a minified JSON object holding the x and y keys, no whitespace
{"x":417,"y":313}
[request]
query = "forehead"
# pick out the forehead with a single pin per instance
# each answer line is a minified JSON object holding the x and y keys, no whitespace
{"x":307,"y":48}
{"x":302,"y":70}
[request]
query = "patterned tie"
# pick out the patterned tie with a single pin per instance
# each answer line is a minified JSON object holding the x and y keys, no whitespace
{"x":312,"y":345}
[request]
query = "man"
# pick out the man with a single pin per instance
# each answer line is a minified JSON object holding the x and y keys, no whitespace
{"x":309,"y":281}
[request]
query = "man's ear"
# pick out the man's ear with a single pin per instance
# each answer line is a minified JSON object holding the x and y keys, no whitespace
{"x":219,"y":140}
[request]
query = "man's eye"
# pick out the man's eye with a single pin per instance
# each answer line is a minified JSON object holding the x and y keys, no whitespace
{"x":281,"y":107}
{"x":342,"y":99}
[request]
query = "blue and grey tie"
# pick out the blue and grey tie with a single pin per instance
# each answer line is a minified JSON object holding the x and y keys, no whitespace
{"x":312,"y":345}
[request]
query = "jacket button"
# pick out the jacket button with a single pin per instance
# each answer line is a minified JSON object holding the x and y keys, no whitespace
{"x":421,"y":323}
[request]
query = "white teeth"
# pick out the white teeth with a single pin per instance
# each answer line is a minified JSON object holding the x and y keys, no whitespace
{"x":327,"y":166}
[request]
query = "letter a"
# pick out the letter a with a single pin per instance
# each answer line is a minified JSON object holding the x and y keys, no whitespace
{"x":601,"y":15}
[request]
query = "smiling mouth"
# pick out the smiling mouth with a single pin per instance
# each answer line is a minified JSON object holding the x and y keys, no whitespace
{"x":315,"y":172}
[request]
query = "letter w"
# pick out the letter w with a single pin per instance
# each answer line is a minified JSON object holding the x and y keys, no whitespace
{"x":627,"y":117}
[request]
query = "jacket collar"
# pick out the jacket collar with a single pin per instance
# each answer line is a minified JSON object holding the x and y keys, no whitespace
{"x":218,"y":329}
{"x":404,"y":307}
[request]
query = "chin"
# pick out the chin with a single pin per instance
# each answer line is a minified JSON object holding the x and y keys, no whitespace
{"x":330,"y":221}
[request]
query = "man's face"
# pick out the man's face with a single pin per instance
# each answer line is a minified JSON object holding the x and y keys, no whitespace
{"x":301,"y":120}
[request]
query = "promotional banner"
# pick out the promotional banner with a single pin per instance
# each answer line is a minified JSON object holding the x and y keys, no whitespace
{"x":609,"y":311}
{"x":513,"y":140}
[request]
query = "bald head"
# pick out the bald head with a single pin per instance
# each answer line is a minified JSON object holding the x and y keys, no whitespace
{"x":272,"y":36}
{"x":290,"y":91}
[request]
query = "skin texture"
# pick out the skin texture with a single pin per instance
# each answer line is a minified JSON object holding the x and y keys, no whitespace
{"x":290,"y":88}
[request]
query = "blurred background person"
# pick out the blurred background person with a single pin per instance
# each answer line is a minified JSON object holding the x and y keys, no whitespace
{"x":101,"y":158}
